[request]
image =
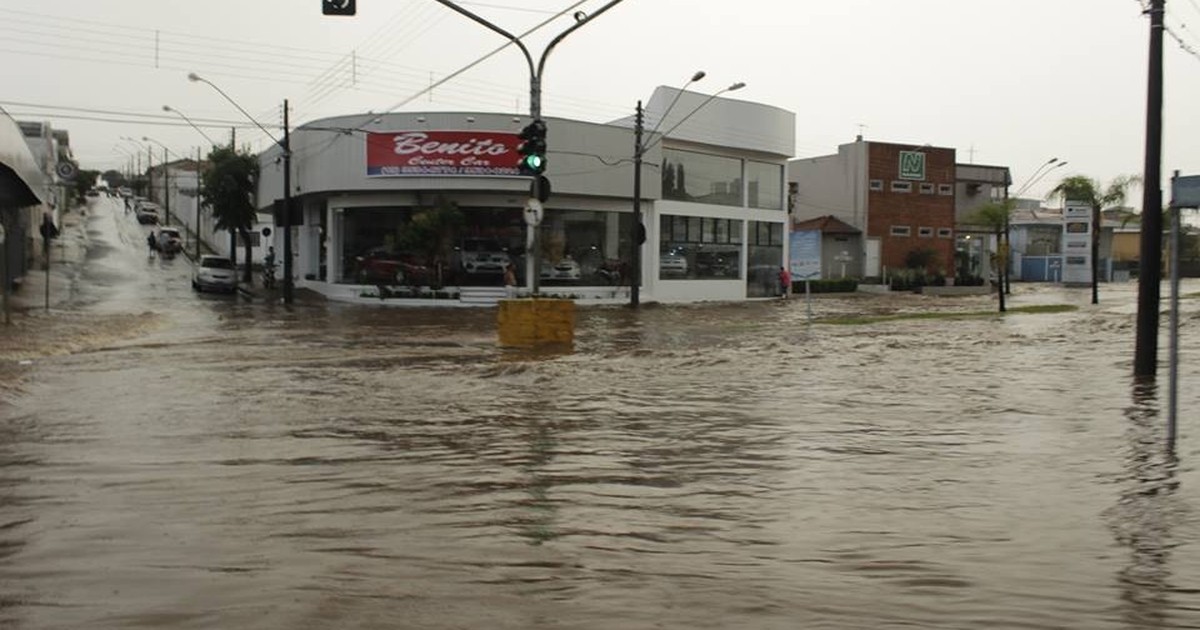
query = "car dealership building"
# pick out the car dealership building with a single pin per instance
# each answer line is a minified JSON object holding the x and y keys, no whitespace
{"x":408,"y":206}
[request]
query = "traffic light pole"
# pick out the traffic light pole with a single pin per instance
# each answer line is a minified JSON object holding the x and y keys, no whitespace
{"x":535,"y":103}
{"x":287,"y":207}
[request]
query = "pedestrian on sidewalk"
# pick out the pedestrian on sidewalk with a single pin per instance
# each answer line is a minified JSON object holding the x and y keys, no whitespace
{"x":150,"y":243}
{"x":785,"y":282}
{"x":510,"y":280}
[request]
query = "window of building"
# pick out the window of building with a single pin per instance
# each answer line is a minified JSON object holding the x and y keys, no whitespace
{"x":902,"y":187}
{"x":764,"y":256}
{"x":945,"y":189}
{"x":695,"y":248}
{"x":945,"y":233}
{"x":877,"y":185}
{"x":901,"y":230}
{"x":254,"y":237}
{"x":764,"y":185}
{"x":927,"y":189}
{"x":925,"y":232}
{"x":703,"y":178}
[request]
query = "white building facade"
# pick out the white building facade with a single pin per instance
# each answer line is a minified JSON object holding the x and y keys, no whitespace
{"x":403,"y":207}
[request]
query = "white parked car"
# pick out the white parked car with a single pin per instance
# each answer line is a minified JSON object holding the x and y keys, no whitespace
{"x":215,"y":273}
{"x":565,"y":269}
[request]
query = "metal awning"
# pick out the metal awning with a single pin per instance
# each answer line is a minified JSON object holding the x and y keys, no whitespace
{"x":21,"y":181}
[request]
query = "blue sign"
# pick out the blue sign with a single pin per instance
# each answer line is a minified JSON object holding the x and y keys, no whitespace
{"x":804,"y":254}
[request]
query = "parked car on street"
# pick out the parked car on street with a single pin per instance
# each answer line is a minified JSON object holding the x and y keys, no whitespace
{"x":215,"y":273}
{"x":169,"y":241}
{"x":381,"y":265}
{"x":147,"y":212}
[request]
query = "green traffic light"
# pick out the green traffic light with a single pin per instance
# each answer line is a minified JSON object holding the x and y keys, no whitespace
{"x":535,"y":162}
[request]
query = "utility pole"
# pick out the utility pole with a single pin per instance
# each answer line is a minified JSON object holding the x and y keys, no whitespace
{"x":287,"y":208}
{"x":196,"y":229}
{"x":166,"y":186}
{"x":635,"y":277}
{"x":1145,"y":362}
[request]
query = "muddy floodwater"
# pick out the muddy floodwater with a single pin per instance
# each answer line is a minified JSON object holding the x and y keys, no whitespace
{"x":208,"y":462}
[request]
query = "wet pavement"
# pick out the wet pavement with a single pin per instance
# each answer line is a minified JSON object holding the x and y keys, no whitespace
{"x":204,"y":461}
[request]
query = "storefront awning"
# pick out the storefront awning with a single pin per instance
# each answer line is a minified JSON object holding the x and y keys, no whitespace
{"x":21,"y":181}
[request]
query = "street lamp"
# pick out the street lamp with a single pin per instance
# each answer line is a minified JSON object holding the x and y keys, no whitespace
{"x":285,"y":146}
{"x":638,"y":234}
{"x":166,"y":178}
{"x":535,"y":99}
{"x":149,"y":155}
{"x":199,"y":161}
{"x":1038,"y":174}
{"x":168,"y":108}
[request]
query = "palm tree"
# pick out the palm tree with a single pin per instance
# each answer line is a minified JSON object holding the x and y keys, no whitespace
{"x":1086,"y":190}
{"x":229,"y":187}
{"x":996,"y":215}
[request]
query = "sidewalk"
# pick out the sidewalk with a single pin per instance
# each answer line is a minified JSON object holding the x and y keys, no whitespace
{"x":36,"y":332}
{"x":68,"y":253}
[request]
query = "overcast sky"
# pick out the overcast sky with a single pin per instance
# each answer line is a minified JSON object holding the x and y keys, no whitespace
{"x":1008,"y":82}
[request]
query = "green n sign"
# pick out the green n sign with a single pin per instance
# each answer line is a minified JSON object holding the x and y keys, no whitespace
{"x":912,"y":165}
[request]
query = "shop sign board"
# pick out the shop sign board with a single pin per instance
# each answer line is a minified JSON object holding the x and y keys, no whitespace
{"x":417,"y":153}
{"x":912,"y":165}
{"x":1185,"y":191}
{"x":1077,"y":242}
{"x":804,"y":254}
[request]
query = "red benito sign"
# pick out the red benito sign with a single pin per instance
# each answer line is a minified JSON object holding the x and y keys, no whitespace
{"x":442,"y":153}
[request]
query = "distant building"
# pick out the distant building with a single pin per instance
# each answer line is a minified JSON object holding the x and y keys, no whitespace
{"x":901,"y":196}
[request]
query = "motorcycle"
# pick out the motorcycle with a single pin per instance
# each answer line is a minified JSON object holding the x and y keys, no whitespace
{"x":268,"y":275}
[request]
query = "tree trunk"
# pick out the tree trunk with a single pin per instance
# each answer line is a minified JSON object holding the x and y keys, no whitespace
{"x":249,"y":273}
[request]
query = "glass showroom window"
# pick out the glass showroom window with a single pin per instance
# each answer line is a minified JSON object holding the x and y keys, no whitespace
{"x":764,"y":185}
{"x":386,"y":246}
{"x":765,"y":256}
{"x":701,"y":178}
{"x":699,"y":248}
{"x":585,"y":248}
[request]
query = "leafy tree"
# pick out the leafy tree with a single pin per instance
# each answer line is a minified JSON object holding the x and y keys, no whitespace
{"x":995,"y":216}
{"x":432,"y":232}
{"x":229,"y":186}
{"x":84,"y":181}
{"x":1082,"y":189}
{"x":114,"y":178}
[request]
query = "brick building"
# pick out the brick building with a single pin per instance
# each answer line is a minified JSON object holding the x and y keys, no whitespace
{"x":900,"y":195}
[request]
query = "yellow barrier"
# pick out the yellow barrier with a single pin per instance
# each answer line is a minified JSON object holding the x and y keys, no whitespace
{"x":536,"y":321}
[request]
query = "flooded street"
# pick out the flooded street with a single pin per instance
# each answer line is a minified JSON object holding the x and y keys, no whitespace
{"x":210,"y":462}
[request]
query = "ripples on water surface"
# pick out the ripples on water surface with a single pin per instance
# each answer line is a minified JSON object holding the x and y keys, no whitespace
{"x":685,"y":467}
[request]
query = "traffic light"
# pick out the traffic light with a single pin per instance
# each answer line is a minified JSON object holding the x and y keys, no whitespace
{"x":337,"y":7}
{"x":533,"y":149}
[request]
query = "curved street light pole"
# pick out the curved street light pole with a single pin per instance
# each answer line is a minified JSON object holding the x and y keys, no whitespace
{"x":285,"y":146}
{"x":166,"y":178}
{"x":168,"y":108}
{"x":639,"y":151}
{"x":535,"y":100}
{"x":637,"y":230}
{"x":199,"y":173}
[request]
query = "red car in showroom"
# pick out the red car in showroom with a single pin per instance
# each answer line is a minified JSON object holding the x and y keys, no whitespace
{"x":383,"y":266}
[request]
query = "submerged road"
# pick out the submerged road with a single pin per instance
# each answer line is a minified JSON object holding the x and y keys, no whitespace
{"x":210,"y":462}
